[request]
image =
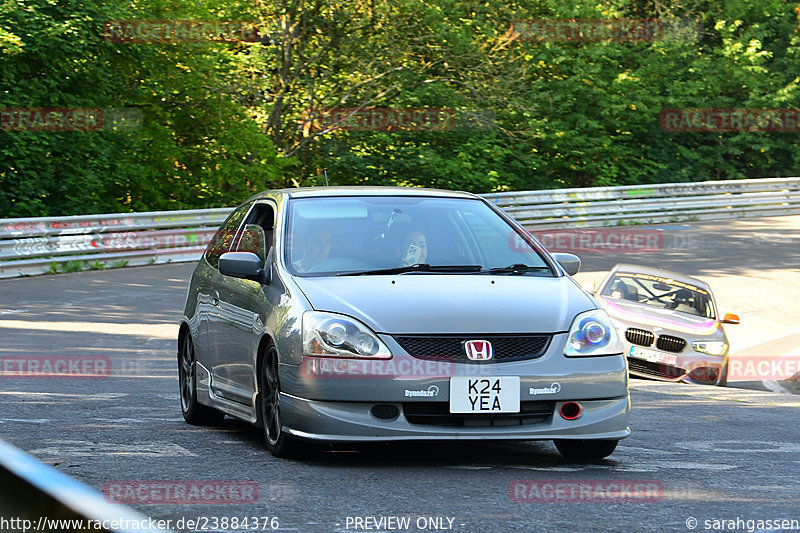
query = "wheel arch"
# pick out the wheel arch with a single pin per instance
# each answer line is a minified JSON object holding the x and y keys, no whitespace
{"x":263,"y":345}
{"x":183,"y":330}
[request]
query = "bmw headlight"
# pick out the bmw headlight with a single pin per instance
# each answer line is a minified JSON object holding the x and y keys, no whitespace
{"x":592,"y":333}
{"x":333,"y":335}
{"x":717,"y":348}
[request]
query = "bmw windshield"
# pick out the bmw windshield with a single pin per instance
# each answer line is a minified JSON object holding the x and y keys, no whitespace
{"x":664,"y":293}
{"x":361,"y":235}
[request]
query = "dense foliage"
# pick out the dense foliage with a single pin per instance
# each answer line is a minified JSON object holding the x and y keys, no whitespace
{"x":202,"y":124}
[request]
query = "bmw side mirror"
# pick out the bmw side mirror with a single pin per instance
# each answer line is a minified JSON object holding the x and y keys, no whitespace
{"x":730,"y":318}
{"x":245,"y":265}
{"x":569,"y":262}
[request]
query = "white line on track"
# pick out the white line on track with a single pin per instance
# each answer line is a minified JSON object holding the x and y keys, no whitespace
{"x":83,"y":448}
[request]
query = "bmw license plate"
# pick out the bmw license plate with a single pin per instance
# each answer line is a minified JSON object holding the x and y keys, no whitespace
{"x":653,"y":356}
{"x":484,"y":394}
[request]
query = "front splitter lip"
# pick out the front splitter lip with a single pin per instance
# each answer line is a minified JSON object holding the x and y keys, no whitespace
{"x":658,"y":378}
{"x":617,"y":435}
{"x":352,"y":422}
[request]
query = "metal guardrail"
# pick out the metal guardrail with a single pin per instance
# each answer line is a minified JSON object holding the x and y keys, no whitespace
{"x":49,"y":244}
{"x":41,"y":245}
{"x":649,"y":204}
{"x":37,"y":497}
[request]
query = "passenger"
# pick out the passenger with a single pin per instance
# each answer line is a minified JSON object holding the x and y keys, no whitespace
{"x":414,"y":249}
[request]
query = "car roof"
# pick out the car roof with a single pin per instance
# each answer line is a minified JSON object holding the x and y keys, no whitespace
{"x":660,"y":272}
{"x":320,"y":192}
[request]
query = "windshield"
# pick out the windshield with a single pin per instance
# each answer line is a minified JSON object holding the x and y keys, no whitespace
{"x":664,"y":293}
{"x":370,"y":234}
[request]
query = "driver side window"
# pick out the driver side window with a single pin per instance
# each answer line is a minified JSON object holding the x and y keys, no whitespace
{"x":224,"y":237}
{"x":257,"y":233}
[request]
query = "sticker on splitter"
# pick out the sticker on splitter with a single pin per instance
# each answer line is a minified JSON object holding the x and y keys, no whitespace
{"x":430,"y":392}
{"x":555,"y":388}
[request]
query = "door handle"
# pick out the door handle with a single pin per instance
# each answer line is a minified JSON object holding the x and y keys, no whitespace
{"x":215,"y":298}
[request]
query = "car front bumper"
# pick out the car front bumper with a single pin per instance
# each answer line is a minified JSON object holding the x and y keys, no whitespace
{"x":691,"y":366}
{"x":337,"y":405}
{"x":354,"y":421}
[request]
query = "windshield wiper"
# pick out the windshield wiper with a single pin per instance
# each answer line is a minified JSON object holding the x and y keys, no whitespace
{"x":418,"y":267}
{"x":517,"y":268}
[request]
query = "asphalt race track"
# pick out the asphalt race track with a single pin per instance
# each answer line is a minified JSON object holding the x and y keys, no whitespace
{"x":696,"y":453}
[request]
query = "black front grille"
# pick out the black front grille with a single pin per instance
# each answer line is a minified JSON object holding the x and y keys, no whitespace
{"x":668,"y":343}
{"x":438,"y":414}
{"x":451,"y":347}
{"x":639,"y":336}
{"x":655,"y":369}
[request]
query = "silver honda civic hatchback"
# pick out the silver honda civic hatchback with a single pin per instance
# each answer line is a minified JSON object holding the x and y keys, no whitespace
{"x":389,"y":313}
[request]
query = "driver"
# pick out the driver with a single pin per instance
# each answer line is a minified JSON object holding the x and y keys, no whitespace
{"x":316,"y":248}
{"x":683,"y":300}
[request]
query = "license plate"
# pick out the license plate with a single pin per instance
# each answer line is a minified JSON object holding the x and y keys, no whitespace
{"x":484,"y":394}
{"x":653,"y":356}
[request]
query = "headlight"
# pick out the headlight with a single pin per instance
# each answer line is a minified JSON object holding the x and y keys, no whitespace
{"x":592,"y":333}
{"x":717,"y":348}
{"x":332,"y":335}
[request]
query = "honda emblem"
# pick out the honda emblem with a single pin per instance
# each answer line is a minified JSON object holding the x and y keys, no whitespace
{"x":478,"y":350}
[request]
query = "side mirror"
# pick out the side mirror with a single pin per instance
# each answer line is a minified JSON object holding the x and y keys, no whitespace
{"x":730,"y":318}
{"x":570,"y":263}
{"x":245,"y":265}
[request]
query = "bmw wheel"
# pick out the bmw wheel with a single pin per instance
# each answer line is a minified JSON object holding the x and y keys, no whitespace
{"x":585,"y":448}
{"x":193,"y":412}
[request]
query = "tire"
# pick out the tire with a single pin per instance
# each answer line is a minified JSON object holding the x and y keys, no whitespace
{"x":279,"y":443}
{"x":194,"y":413}
{"x":586,"y":448}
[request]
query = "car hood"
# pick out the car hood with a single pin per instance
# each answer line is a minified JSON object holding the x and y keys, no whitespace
{"x":443,"y":303}
{"x":635,"y":313}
